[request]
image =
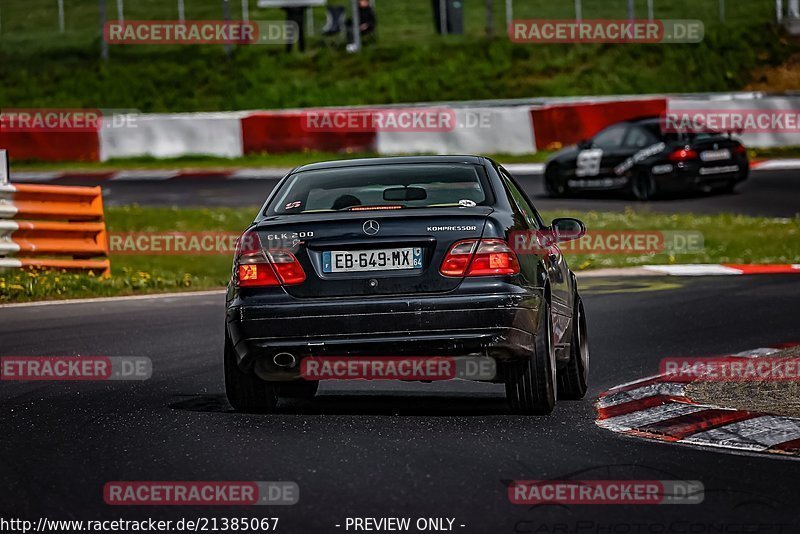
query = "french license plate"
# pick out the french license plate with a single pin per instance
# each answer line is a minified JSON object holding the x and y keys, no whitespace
{"x":387,"y":259}
{"x":715,"y":155}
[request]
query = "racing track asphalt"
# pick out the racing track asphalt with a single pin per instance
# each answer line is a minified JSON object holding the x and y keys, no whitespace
{"x":766,"y":193}
{"x":417,"y":450}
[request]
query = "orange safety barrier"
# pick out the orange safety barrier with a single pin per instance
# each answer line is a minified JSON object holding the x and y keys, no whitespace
{"x":58,"y":227}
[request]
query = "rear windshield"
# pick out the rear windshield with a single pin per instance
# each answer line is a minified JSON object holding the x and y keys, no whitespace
{"x":382,"y":187}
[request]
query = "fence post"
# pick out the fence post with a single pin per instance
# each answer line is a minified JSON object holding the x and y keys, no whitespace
{"x":61,"y":16}
{"x":181,"y":11}
{"x":246,"y":10}
{"x":4,"y":174}
{"x":722,"y":10}
{"x":356,"y":16}
{"x":120,"y":11}
{"x":226,"y":16}
{"x":631,"y":12}
{"x":509,"y":14}
{"x":103,"y":42}
{"x":650,"y":10}
{"x":489,"y":18}
{"x":578,"y":10}
{"x":779,"y":11}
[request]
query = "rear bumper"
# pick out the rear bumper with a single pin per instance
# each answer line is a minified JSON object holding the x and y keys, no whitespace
{"x":693,"y":176}
{"x":500,"y":325}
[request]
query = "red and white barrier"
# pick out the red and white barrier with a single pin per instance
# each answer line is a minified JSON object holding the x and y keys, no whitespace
{"x":478,"y":128}
{"x":175,"y":135}
{"x":489,"y":130}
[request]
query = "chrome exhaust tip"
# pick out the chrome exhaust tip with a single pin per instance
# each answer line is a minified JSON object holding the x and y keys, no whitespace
{"x":284,"y":360}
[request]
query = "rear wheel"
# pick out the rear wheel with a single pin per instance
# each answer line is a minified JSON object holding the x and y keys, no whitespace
{"x":554,"y":184}
{"x":572,"y":380}
{"x":245,"y":391}
{"x":644,"y":186}
{"x":531,"y":383}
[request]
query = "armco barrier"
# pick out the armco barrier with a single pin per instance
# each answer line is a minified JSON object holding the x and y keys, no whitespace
{"x":288,"y":132}
{"x":566,"y":124}
{"x":58,"y":227}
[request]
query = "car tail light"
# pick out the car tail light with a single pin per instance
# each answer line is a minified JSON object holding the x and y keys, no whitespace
{"x":740,"y":149}
{"x":485,"y":257}
{"x":683,"y":154}
{"x":256,"y":267}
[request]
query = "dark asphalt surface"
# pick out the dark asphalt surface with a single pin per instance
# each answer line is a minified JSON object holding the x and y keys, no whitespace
{"x":392,"y":449}
{"x":766,"y":193}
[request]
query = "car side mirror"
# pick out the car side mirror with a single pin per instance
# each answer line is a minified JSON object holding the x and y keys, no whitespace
{"x":567,"y":229}
{"x":585,"y":143}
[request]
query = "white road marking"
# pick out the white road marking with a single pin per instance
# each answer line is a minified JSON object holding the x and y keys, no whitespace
{"x":693,"y":270}
{"x":184,"y":294}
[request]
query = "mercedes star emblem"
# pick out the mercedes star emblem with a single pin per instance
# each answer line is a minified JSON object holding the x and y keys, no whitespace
{"x":371,"y":227}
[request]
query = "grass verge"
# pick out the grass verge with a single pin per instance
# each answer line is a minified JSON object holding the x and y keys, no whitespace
{"x":726,"y":239}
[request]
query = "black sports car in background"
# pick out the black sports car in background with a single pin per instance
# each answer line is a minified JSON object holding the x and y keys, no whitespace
{"x":637,"y":156}
{"x":406,"y":256}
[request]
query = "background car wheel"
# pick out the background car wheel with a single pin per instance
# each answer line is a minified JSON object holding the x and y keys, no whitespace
{"x":572,"y":380}
{"x":300,"y":389}
{"x":531,"y":383}
{"x":554,"y":184}
{"x":246,"y":392}
{"x":644,"y":186}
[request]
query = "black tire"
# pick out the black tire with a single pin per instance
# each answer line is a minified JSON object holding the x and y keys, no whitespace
{"x":299,"y":389}
{"x":245,"y":391}
{"x":554,"y":184}
{"x":643,"y":186}
{"x":573,"y":379}
{"x":531,"y":383}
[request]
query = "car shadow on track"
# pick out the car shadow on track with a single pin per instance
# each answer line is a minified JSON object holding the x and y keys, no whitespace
{"x":361,"y":404}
